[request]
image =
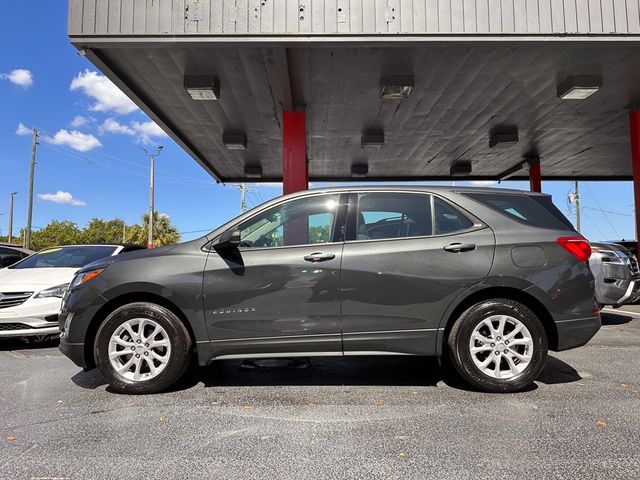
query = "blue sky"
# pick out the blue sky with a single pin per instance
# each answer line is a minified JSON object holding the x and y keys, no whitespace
{"x":89,"y":160}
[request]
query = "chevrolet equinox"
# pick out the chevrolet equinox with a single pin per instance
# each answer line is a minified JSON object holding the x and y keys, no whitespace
{"x":485,"y":279}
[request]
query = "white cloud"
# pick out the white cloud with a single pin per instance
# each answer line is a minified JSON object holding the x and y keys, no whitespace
{"x":22,"y":130}
{"x":147,"y":131}
{"x":144,"y":131}
{"x":108,"y":97}
{"x":79,"y":121}
{"x":82,"y":142}
{"x":61,"y":197}
{"x":113,"y":126}
{"x":20,"y":76}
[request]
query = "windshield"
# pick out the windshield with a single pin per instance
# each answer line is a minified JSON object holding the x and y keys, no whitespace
{"x":66,"y":257}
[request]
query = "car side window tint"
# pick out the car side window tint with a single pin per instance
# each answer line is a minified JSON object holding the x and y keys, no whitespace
{"x":303,"y":221}
{"x":449,"y":219}
{"x":9,"y":257}
{"x":393,"y":215}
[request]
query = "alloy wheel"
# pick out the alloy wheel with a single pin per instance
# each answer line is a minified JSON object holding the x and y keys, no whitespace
{"x":139,"y":349}
{"x":501,"y":346}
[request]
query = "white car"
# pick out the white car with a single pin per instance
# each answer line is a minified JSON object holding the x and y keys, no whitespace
{"x":31,"y":290}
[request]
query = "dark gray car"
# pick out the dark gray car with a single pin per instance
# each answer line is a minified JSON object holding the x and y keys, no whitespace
{"x":485,"y":279}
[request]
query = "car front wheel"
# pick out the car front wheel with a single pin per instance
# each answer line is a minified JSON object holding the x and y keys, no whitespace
{"x":498,"y":345}
{"x":142,"y":348}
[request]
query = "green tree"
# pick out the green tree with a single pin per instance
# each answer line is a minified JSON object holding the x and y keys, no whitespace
{"x":104,"y":231}
{"x":56,"y":233}
{"x":164,"y":232}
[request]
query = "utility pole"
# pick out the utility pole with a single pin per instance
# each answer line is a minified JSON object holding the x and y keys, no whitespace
{"x":11,"y":217}
{"x":152,"y":158}
{"x":27,"y":233}
{"x":577,"y":197}
{"x":243,"y":197}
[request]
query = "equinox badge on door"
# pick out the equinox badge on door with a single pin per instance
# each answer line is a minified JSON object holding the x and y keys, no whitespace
{"x":223,"y":311}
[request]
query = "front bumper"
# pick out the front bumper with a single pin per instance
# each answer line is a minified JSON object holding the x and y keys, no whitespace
{"x":34,"y":317}
{"x":576,"y":332}
{"x":74,"y":351}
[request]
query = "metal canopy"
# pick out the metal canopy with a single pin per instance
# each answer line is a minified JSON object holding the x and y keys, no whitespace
{"x":477,"y":71}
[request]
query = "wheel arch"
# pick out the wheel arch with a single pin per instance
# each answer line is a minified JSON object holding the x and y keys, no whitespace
{"x":515,"y":294}
{"x":124,"y":299}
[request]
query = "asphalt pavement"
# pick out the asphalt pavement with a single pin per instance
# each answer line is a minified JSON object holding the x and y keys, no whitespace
{"x":337,"y":418}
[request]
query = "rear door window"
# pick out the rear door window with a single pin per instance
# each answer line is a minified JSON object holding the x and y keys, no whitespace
{"x":537,"y":211}
{"x":383,"y":215}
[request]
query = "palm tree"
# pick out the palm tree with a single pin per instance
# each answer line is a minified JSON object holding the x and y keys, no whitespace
{"x":164,"y":232}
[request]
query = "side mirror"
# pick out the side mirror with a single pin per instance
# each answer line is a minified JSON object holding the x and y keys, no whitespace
{"x":228,"y":239}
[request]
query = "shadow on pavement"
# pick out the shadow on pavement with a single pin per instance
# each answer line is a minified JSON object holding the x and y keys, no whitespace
{"x":27,"y":343}
{"x":556,"y":371}
{"x":609,"y":318}
{"x":330,"y":371}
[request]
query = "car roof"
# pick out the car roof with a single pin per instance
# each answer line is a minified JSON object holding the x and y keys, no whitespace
{"x":413,"y":188}
{"x":16,"y":247}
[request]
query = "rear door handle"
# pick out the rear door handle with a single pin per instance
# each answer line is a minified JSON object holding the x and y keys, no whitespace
{"x":319,"y":257}
{"x":460,"y":247}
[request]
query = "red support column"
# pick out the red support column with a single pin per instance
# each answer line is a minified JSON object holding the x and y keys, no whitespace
{"x":634,"y":124}
{"x":535,"y":180}
{"x":295,"y":175}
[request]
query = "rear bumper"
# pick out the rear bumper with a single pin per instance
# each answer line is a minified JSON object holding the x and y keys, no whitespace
{"x":577,"y":332}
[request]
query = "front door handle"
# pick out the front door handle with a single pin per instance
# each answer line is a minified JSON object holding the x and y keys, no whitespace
{"x":319,"y":257}
{"x":460,"y":247}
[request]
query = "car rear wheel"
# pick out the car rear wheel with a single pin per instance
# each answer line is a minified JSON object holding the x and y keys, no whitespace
{"x":142,"y":348}
{"x":498,"y":345}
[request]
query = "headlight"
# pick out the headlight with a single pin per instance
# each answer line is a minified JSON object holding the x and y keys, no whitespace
{"x":609,"y":256}
{"x":84,"y":277}
{"x":57,"y":291}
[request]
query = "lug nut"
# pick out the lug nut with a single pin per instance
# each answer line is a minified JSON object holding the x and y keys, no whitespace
{"x":493,"y":345}
{"x":133,"y":348}
{"x":497,"y":352}
{"x":146,"y":353}
{"x":138,"y":341}
{"x":506,"y":350}
{"x":146,"y":344}
{"x":498,"y":338}
{"x":137,"y":355}
{"x":506,"y":342}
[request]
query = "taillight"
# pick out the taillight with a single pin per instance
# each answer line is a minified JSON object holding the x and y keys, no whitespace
{"x":577,"y":246}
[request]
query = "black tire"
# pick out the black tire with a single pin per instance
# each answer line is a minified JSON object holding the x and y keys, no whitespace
{"x":460,"y":354}
{"x":179,"y":357}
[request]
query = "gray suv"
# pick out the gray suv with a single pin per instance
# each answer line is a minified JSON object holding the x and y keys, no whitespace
{"x":485,"y":279}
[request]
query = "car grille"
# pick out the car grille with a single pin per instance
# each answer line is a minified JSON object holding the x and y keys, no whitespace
{"x":633,"y":265}
{"x":13,"y":299}
{"x":14,"y":326}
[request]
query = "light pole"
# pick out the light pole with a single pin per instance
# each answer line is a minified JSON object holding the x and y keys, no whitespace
{"x":11,"y":217}
{"x":27,"y":233}
{"x":152,"y":157}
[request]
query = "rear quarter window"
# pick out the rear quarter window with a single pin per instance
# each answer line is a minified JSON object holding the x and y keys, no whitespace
{"x":537,"y":211}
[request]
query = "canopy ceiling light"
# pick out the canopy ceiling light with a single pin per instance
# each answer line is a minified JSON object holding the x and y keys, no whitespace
{"x":579,"y":87}
{"x":372,"y":138}
{"x":503,"y":136}
{"x":235,"y":141}
{"x":460,"y":168}
{"x":202,"y":87}
{"x":359,"y":170}
{"x":253,"y":171}
{"x":397,"y":86}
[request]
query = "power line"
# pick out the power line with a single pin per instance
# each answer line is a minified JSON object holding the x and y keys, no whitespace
{"x":599,"y":206}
